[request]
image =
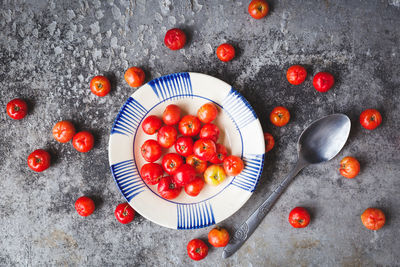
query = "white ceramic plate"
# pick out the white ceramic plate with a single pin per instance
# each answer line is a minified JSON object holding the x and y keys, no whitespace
{"x":241,"y":133}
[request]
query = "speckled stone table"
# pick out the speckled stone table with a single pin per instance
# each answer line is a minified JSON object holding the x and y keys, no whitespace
{"x":49,"y":50}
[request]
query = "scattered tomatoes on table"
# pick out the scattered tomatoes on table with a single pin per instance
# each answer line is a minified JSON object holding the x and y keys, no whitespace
{"x":214,"y":175}
{"x":207,"y":112}
{"x":175,"y":39}
{"x":184,"y":175}
{"x":218,"y":237}
{"x":17,"y":109}
{"x":168,"y":188}
{"x":225,"y":52}
{"x":299,"y":217}
{"x":166,"y":136}
{"x":151,"y":124}
{"x":197,"y":249}
{"x":84,"y":206}
{"x":151,"y":150}
{"x":205,"y":149}
{"x":171,"y":115}
{"x":184,"y":146}
{"x":349,"y":167}
{"x":221,"y":154}
{"x":370,"y":119}
{"x":134,"y":76}
{"x":83,"y":141}
{"x":373,"y":219}
{"x":209,"y":131}
{"x":279,"y":116}
{"x":199,"y":165}
{"x":151,"y":173}
{"x":100,"y":85}
{"x":171,"y":162}
{"x":189,"y":125}
{"x":258,"y":9}
{"x":296,"y":74}
{"x":269,"y":142}
{"x":39,"y":160}
{"x":194,"y":187}
{"x":124,"y":213}
{"x":323,"y":81}
{"x":233,"y":165}
{"x":63,"y":131}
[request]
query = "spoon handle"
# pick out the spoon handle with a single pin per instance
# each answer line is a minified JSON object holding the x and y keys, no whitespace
{"x":250,"y":225}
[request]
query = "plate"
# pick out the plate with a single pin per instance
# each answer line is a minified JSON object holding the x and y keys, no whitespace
{"x":241,"y":133}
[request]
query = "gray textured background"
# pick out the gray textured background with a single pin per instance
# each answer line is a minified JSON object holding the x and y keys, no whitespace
{"x":50,"y":50}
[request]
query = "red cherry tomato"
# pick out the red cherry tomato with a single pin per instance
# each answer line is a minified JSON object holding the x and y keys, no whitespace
{"x":184,"y":175}
{"x":189,"y":125}
{"x":134,"y":76}
{"x":323,"y":81}
{"x":63,"y":131}
{"x":171,"y":115}
{"x":225,"y":52}
{"x":299,"y":217}
{"x":151,"y":173}
{"x":258,"y":9}
{"x":17,"y":109}
{"x":175,"y":39}
{"x":83,"y":141}
{"x":151,"y":150}
{"x":166,"y":136}
{"x":151,"y":124}
{"x":199,"y":165}
{"x":207,"y":112}
{"x":184,"y":146}
{"x":100,"y":86}
{"x":218,"y":237}
{"x":39,"y":160}
{"x":370,"y":119}
{"x":269,"y":142}
{"x":233,"y":165}
{"x":194,"y":187}
{"x":171,"y":162}
{"x":373,"y":219}
{"x":279,"y":116}
{"x":209,"y":131}
{"x":197,"y":249}
{"x":221,"y":154}
{"x":349,"y":167}
{"x":205,"y":149}
{"x":124,"y":213}
{"x":84,"y":206}
{"x":296,"y":74}
{"x":168,"y":188}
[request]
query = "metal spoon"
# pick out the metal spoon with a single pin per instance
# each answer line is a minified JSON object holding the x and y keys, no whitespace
{"x":319,"y":142}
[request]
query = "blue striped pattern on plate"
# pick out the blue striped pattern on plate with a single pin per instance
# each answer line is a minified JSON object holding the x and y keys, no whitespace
{"x":248,"y":178}
{"x":238,"y":108}
{"x":194,"y":216}
{"x":129,"y":117}
{"x":172,"y":86}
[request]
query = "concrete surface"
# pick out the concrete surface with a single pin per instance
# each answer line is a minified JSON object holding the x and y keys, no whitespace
{"x":50,"y":50}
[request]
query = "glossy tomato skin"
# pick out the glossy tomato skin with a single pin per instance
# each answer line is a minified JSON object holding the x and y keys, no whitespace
{"x":166,"y":136}
{"x":100,"y":85}
{"x":171,"y":115}
{"x":168,"y":188}
{"x":209,"y":131}
{"x":84,"y":206}
{"x":221,"y":154}
{"x":63,"y":131}
{"x":296,"y":74}
{"x":151,"y":150}
{"x":218,"y":237}
{"x":17,"y":109}
{"x":194,"y":187}
{"x":175,"y":39}
{"x":233,"y":165}
{"x":225,"y":52}
{"x":171,"y":162}
{"x":189,"y":125}
{"x":214,"y":175}
{"x":199,"y":165}
{"x":279,"y":116}
{"x":197,"y":249}
{"x":184,"y":175}
{"x":370,"y":119}
{"x":83,"y":141}
{"x":258,"y":9}
{"x":39,"y":160}
{"x":124,"y":213}
{"x":207,"y":112}
{"x":373,"y":219}
{"x":349,"y":167}
{"x":323,"y":81}
{"x":299,"y":217}
{"x":205,"y":149}
{"x":184,"y":146}
{"x":151,"y":124}
{"x":151,"y":173}
{"x":134,"y":76}
{"x":269,"y":141}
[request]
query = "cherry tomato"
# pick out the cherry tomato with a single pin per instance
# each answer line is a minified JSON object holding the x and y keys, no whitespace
{"x":171,"y":115}
{"x":269,"y":142}
{"x":151,"y":173}
{"x":323,"y":81}
{"x":184,"y":146}
{"x":205,"y":149}
{"x":258,"y":9}
{"x":370,"y":119}
{"x":233,"y":165}
{"x":83,"y":141}
{"x":151,"y":124}
{"x":279,"y":116}
{"x":184,"y":175}
{"x":225,"y":52}
{"x":189,"y":125}
{"x":214,"y":175}
{"x":171,"y":162}
{"x":209,"y":131}
{"x":151,"y":150}
{"x":134,"y":76}
{"x":100,"y":86}
{"x":299,"y":217}
{"x":168,"y":188}
{"x":296,"y":74}
{"x":199,"y":165}
{"x":17,"y":109}
{"x":175,"y":39}
{"x":221,"y":154}
{"x":349,"y":167}
{"x":218,"y":237}
{"x":84,"y":206}
{"x":39,"y":160}
{"x":124,"y":213}
{"x":197,"y":249}
{"x":373,"y":219}
{"x":194,"y":187}
{"x":166,"y":136}
{"x":207,"y":112}
{"x":63,"y":131}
